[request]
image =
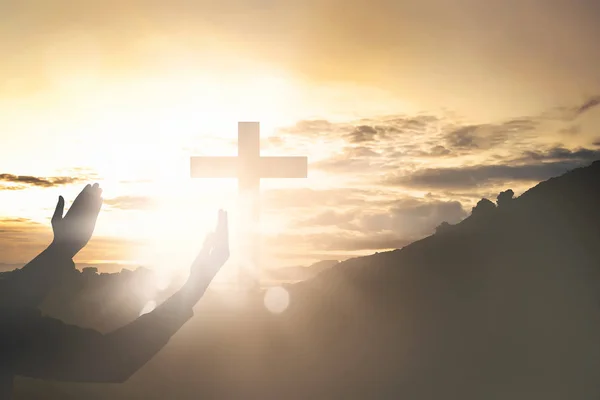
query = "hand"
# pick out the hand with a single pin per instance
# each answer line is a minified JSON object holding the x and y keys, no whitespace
{"x":73,"y":231}
{"x":215,"y":251}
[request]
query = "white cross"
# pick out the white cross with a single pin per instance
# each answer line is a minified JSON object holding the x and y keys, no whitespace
{"x":249,"y":167}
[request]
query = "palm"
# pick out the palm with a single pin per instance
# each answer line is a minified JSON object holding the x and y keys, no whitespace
{"x":74,"y":230}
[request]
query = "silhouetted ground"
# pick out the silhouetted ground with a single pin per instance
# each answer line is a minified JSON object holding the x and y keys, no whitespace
{"x":297,"y":274}
{"x":504,"y":305}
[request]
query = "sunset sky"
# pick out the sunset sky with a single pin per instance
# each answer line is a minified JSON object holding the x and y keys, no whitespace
{"x":409,"y":112}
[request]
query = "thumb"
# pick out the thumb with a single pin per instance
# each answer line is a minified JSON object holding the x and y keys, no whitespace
{"x":58,"y":212}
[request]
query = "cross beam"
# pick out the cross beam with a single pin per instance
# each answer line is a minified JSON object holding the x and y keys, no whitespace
{"x":249,"y":168}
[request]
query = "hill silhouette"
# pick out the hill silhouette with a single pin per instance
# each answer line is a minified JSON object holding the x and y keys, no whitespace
{"x":504,"y":304}
{"x":297,"y":273}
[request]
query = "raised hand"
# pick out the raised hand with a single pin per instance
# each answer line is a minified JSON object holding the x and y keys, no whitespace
{"x":215,"y":251}
{"x":73,"y":231}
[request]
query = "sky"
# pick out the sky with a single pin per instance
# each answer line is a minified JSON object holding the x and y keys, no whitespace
{"x":409,"y":113}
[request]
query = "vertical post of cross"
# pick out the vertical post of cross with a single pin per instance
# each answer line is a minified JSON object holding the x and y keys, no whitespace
{"x":249,"y":192}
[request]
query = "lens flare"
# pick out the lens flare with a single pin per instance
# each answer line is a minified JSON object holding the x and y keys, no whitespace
{"x":277,"y":299}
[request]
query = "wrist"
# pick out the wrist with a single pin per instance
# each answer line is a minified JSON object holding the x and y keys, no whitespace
{"x":59,"y":250}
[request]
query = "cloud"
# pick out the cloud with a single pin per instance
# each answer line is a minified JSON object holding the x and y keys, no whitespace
{"x":366,"y":145}
{"x":362,"y":133}
{"x":413,"y":218}
{"x":278,"y":199}
{"x":340,"y":219}
{"x":366,"y":129}
{"x":464,"y":137}
{"x":19,"y":182}
{"x":482,"y":175}
{"x":401,"y":146}
{"x":437,"y":151}
{"x":530,"y":166}
{"x":592,"y":102}
{"x":561,"y":153}
{"x":131,"y":202}
{"x":311,"y":128}
{"x":352,"y":160}
{"x":487,"y":136}
{"x":404,"y":143}
{"x":362,"y":228}
{"x":571,"y":130}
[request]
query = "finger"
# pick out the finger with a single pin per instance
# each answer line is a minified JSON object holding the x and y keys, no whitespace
{"x":208,"y":244}
{"x":226,"y":232}
{"x":58,"y":211}
{"x":222,"y":231}
{"x":89,"y":203}
{"x":80,"y":201}
{"x":97,"y":198}
{"x":85,"y":191}
{"x":208,"y":239}
{"x":99,"y":202}
{"x":96,"y":191}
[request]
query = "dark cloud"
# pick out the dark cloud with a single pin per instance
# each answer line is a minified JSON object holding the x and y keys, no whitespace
{"x":464,"y":138}
{"x":561,"y":153}
{"x":413,"y":218}
{"x":482,"y":175}
{"x":131,"y":202}
{"x":487,"y":136}
{"x":362,"y":133}
{"x":23,"y":181}
{"x":588,"y":105}
{"x":437,"y":151}
{"x":530,"y":166}
{"x":571,"y":130}
{"x":364,"y":130}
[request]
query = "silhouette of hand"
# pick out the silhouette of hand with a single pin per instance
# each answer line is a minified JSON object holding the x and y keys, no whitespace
{"x":73,"y":231}
{"x":215,"y":251}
